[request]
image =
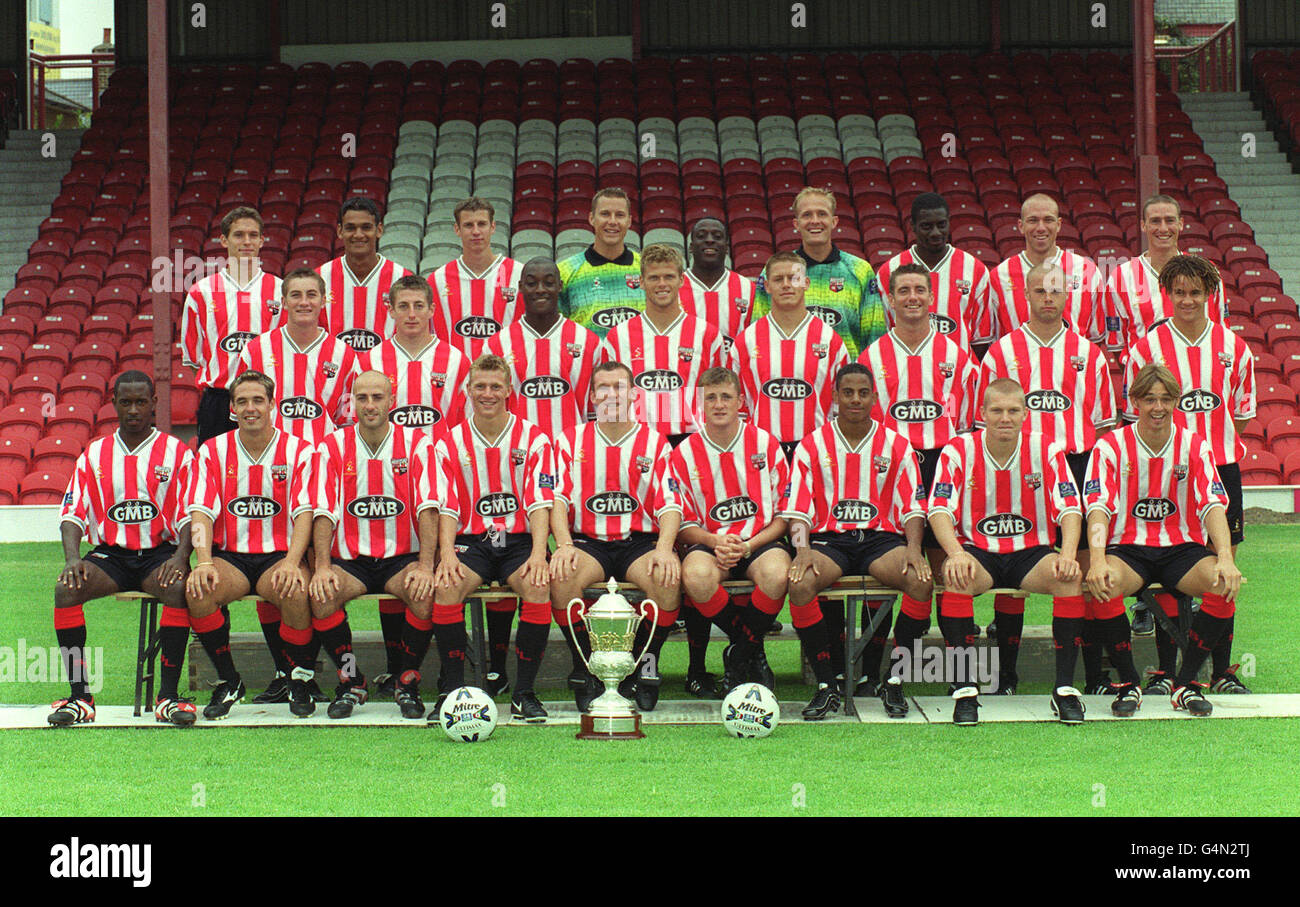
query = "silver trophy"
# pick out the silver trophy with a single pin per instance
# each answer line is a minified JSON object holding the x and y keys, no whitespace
{"x":612,"y":624}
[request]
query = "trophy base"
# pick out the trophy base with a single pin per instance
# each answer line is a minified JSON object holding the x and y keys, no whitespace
{"x":607,"y":727}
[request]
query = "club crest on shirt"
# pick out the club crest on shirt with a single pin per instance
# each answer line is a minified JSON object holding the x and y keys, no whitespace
{"x":947,"y":369}
{"x":273,"y":305}
{"x":758,"y":461}
{"x":279,"y":473}
{"x":330,"y":369}
{"x":881,"y":463}
{"x":508,"y":294}
{"x":1226,"y":359}
{"x":595,"y":283}
{"x":1034,"y":480}
{"x":438,"y":379}
{"x":1078,"y":362}
{"x":836,"y":284}
{"x":1180,"y":471}
{"x":685,"y":353}
{"x":741,"y":304}
{"x":573,"y":349}
{"x":162,"y":473}
{"x":963,"y":287}
{"x":633,"y":281}
{"x":518,"y":455}
{"x":644,"y":463}
{"x":1073,"y":282}
{"x":400,"y":465}
{"x":821,"y":350}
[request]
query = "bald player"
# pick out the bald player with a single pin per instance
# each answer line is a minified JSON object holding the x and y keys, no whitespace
{"x":712,"y":291}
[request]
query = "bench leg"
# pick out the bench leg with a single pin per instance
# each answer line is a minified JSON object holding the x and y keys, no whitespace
{"x":850,"y":654}
{"x":146,"y":653}
{"x":141,"y":653}
{"x":478,"y":643}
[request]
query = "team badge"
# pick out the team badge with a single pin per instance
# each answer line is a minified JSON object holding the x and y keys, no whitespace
{"x":836,"y":284}
{"x":1180,"y":471}
{"x":741,"y":304}
{"x":633,"y":281}
{"x":518,"y":455}
{"x":400,"y":465}
{"x":273,"y":305}
{"x":873,"y":286}
{"x":821,"y":350}
{"x":330,"y":369}
{"x":947,"y":369}
{"x":508,"y":294}
{"x":595,"y":283}
{"x":573,"y":349}
{"x":1073,"y":282}
{"x":1078,"y":362}
{"x":1226,"y":359}
{"x":963,"y":287}
{"x":758,"y":461}
{"x":438,"y":379}
{"x":881,"y":463}
{"x":162,"y":473}
{"x":685,"y":353}
{"x":644,"y":463}
{"x":279,"y":473}
{"x":1034,"y":480}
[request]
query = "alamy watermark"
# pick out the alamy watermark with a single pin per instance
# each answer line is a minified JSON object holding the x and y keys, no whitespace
{"x":947,"y":664}
{"x":48,"y":664}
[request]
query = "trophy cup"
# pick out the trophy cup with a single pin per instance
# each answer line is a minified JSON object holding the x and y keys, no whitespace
{"x":611,"y":623}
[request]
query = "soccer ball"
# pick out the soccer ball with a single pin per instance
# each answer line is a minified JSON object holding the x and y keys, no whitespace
{"x":468,"y":715}
{"x":750,"y":710}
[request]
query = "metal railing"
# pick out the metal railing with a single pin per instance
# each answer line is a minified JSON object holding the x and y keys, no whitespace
{"x":1215,"y":61}
{"x":39,"y":64}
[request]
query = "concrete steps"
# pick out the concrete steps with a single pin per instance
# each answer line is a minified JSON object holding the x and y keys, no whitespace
{"x":29,"y":183}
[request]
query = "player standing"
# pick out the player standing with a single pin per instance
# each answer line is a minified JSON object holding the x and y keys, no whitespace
{"x":602,"y":284}
{"x":734,"y":482}
{"x":856,"y":507}
{"x":1216,"y":372}
{"x":842,"y":289}
{"x":665,"y":348}
{"x":127,"y":492}
{"x":788,"y":359}
{"x":499,"y":486}
{"x":959,"y":282}
{"x":476,"y":294}
{"x":1153,"y":496}
{"x":1071,"y":403}
{"x":616,"y":515}
{"x":374,"y":533}
{"x":712,"y":291}
{"x":250,"y":507}
{"x":223,"y":312}
{"x":996,"y":496}
{"x":358,"y":281}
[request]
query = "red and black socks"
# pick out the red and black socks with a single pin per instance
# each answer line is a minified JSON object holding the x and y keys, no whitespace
{"x":70,"y":630}
{"x":214,"y":634}
{"x":298,"y":647}
{"x":1067,"y":628}
{"x":874,"y":652}
{"x":1166,"y":646}
{"x":1208,"y":626}
{"x":912,"y":623}
{"x":698,"y":628}
{"x":335,"y":635}
{"x":815,"y":639}
{"x":417,"y":633}
{"x":173,"y":634}
{"x":833,"y":614}
{"x":1091,"y":645}
{"x":392,"y":624}
{"x":1116,"y":636}
{"x":1010,"y":620}
{"x":530,"y":642}
{"x":500,"y":615}
{"x":449,"y":632}
{"x":957,"y":623}
{"x":268,"y":615}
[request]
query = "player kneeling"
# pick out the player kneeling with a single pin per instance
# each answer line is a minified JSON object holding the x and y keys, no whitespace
{"x":997,"y":494}
{"x":619,"y":502}
{"x":734,"y":482}
{"x":251,"y":490}
{"x":498,"y":486}
{"x":1153,"y":494}
{"x":853,"y":501}
{"x":374,"y":533}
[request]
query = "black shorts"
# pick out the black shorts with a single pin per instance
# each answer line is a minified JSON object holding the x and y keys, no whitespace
{"x":214,"y":413}
{"x":738,"y":572}
{"x":375,"y":572}
{"x":1230,"y":475}
{"x":617,"y":555}
{"x":251,"y":565}
{"x":494,"y":562}
{"x":1009,"y":570}
{"x":856,"y":550}
{"x":128,"y":568}
{"x":1166,"y":566}
{"x":788,"y":448}
{"x":929,"y":460}
{"x":1078,"y":463}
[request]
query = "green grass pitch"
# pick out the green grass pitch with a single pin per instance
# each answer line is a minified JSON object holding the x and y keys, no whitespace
{"x":1218,"y":768}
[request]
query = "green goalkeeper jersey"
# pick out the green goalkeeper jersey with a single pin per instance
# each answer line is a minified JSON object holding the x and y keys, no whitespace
{"x":842,"y":291}
{"x":601,"y":293}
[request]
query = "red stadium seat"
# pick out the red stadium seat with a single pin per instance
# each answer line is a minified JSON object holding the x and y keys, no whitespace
{"x":64,"y":329}
{"x":44,"y":487}
{"x":57,"y":453}
{"x":84,"y":388}
{"x":9,"y":485}
{"x":1284,"y":436}
{"x":34,"y":389}
{"x":17,"y":329}
{"x":1274,"y":401}
{"x":1291,"y":469}
{"x":23,"y":423}
{"x":75,"y":420}
{"x":105,"y":420}
{"x":47,"y":358}
{"x":15,"y":454}
{"x":1259,"y":467}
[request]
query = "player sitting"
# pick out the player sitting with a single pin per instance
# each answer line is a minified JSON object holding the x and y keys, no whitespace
{"x":127,"y":490}
{"x":854,"y":497}
{"x":996,"y":497}
{"x":1153,"y":496}
{"x":249,"y":503}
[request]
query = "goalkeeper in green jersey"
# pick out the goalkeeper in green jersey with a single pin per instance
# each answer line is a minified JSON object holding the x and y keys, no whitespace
{"x":842,"y":289}
{"x":601,"y":286}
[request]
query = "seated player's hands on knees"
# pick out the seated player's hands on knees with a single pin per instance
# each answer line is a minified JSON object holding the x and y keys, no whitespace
{"x":1102,"y":579}
{"x":171,"y":571}
{"x":450,"y":572}
{"x":918,"y":564}
{"x":563,"y":562}
{"x":535,"y":571}
{"x":419,"y":583}
{"x":802,"y":565}
{"x":74,"y":575}
{"x":959,"y":571}
{"x":665,"y":568}
{"x":202,"y":581}
{"x":1065,"y":569}
{"x":1227,"y":578}
{"x":286,"y":579}
{"x":324,"y":585}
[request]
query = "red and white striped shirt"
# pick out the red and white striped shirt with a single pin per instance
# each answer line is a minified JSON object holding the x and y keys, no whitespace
{"x":1133,"y":306}
{"x":1009,"y":305}
{"x":927,"y":394}
{"x":356,"y":311}
{"x":1157,"y":498}
{"x":252,"y":502}
{"x":960,"y":289}
{"x":133,"y":499}
{"x":727,"y":305}
{"x":838,"y":488}
{"x":468,"y":308}
{"x":220,"y":316}
{"x":1217,"y":374}
{"x":1066,"y":381}
{"x":374,"y":497}
{"x":1004,"y":508}
{"x":738,"y":489}
{"x":313,"y":384}
{"x":495,"y":483}
{"x":615,"y":488}
{"x":550,"y":373}
{"x":666,"y":366}
{"x":789,"y":379}
{"x":428,"y":386}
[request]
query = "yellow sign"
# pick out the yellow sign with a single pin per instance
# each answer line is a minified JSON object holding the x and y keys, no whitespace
{"x":44,"y":39}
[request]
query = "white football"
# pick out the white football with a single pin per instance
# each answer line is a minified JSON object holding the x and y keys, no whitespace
{"x":468,"y":715}
{"x":750,"y":710}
